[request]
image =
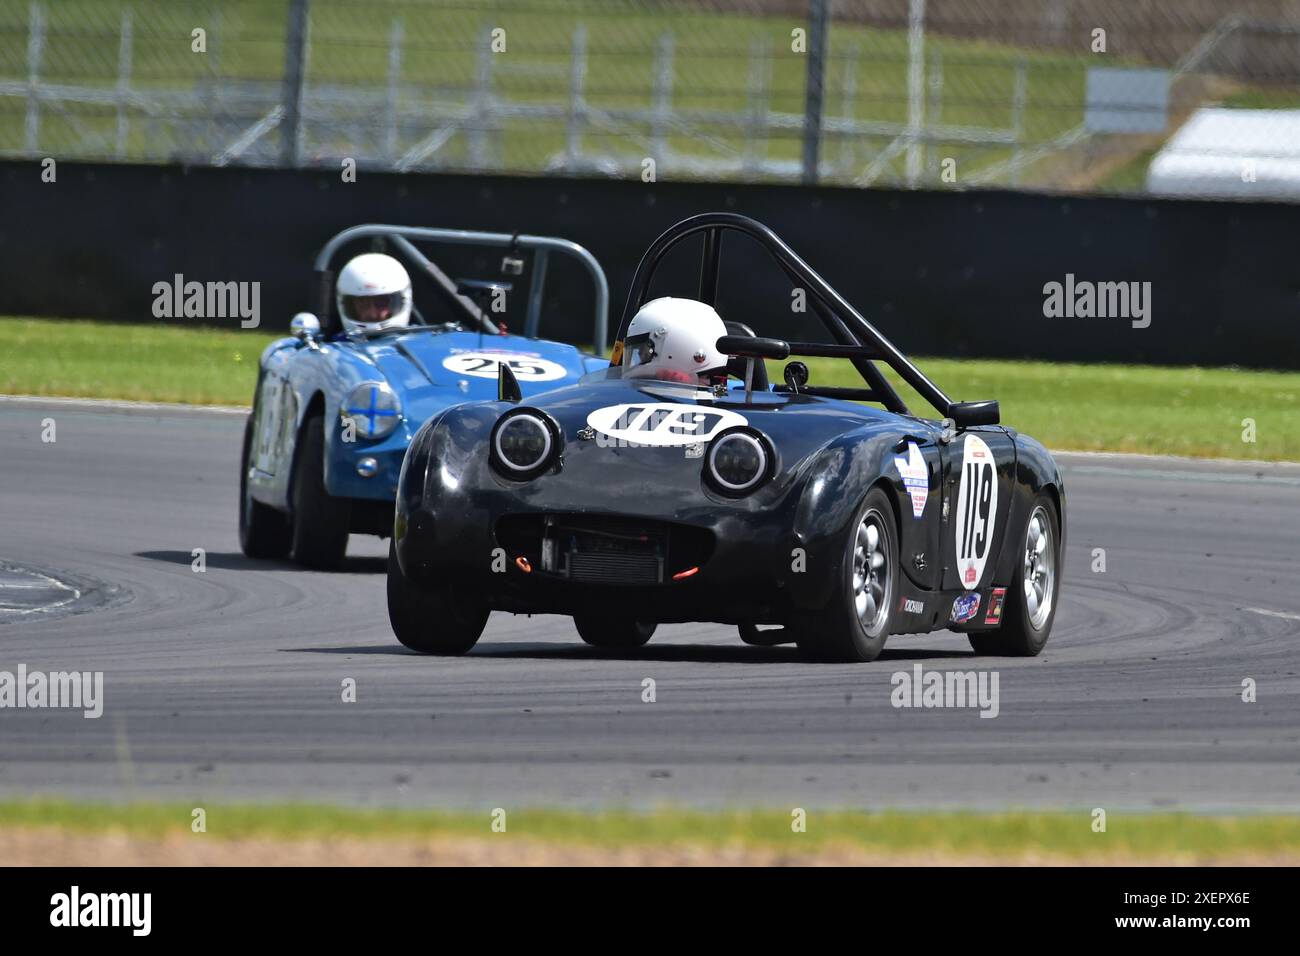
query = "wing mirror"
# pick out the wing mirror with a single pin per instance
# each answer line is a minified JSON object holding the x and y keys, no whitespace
{"x":305,"y":327}
{"x":967,"y":414}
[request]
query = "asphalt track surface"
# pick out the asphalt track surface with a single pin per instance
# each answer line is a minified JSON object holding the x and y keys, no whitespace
{"x":226,"y":684}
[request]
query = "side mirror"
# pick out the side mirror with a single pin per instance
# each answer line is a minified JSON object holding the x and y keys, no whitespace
{"x":304,"y":327}
{"x":966,"y":414}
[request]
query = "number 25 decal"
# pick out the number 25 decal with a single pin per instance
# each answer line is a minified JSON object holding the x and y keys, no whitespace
{"x":527,"y":368}
{"x":977,"y":510}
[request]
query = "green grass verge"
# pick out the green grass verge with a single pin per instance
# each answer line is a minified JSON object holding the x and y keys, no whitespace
{"x":1180,"y":411}
{"x":1059,"y":833}
{"x":149,"y":363}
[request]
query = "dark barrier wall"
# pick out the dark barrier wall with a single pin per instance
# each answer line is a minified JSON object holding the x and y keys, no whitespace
{"x":958,"y":274}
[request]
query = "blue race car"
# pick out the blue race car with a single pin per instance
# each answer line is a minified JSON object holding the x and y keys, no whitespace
{"x":337,"y":403}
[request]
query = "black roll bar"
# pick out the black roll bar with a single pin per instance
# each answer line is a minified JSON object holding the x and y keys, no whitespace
{"x":841,"y":319}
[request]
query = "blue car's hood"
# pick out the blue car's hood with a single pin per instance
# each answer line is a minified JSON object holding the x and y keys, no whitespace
{"x":430,"y":370}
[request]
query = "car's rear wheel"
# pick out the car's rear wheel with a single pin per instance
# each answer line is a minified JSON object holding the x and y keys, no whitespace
{"x":263,"y":531}
{"x":619,"y":632}
{"x":432,"y":619}
{"x":855,"y":622}
{"x":320,"y":521}
{"x":1031,"y":601}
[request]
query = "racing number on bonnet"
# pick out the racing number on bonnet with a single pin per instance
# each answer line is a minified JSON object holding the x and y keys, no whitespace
{"x":528,"y":368}
{"x":662,"y":425}
{"x":977,"y":510}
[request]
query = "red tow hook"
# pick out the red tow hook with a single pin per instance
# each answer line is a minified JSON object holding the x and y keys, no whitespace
{"x":683,"y":575}
{"x":501,"y":329}
{"x":522,"y":564}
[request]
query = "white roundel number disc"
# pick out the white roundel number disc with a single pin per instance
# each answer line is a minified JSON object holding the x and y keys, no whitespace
{"x":664,"y":425}
{"x":527,"y":368}
{"x":977,"y":510}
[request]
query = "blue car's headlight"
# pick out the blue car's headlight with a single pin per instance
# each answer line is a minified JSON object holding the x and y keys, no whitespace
{"x":375,"y":409}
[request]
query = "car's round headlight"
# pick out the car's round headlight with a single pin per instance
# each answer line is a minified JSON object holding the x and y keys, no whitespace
{"x":523,"y":444}
{"x":374,"y":409}
{"x":738,"y":462}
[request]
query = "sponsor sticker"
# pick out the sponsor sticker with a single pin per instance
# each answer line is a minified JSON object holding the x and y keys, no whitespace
{"x":993,"y":614}
{"x":916,"y":477}
{"x":662,"y":425}
{"x":965,"y":608}
{"x":909,"y":606}
{"x":527,"y":368}
{"x":977,"y":510}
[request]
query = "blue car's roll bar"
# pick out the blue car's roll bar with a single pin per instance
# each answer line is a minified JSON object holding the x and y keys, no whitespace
{"x":400,"y":236}
{"x":844,"y":322}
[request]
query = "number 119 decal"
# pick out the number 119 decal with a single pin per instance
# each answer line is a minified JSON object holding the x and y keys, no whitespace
{"x":977,"y":510}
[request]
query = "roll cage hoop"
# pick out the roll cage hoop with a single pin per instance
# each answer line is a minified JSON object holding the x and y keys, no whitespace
{"x":856,"y":339}
{"x":401,"y":239}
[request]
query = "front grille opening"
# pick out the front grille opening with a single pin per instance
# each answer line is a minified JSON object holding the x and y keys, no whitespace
{"x":601,"y":549}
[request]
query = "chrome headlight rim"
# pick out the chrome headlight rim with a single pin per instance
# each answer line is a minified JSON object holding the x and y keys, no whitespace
{"x":551,"y":449}
{"x":363,"y":407}
{"x":756,"y":440}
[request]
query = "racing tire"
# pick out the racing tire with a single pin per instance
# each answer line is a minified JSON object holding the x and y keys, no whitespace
{"x":853,"y":626}
{"x":263,"y":531}
{"x":432,"y":619}
{"x":320,"y":520}
{"x":1031,"y":601}
{"x":616,"y":634}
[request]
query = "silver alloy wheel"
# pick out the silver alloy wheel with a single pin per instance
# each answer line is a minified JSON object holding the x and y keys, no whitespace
{"x":1040,"y":568}
{"x":871,"y":572}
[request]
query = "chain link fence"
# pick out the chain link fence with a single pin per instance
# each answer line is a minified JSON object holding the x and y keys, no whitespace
{"x":1193,"y":97}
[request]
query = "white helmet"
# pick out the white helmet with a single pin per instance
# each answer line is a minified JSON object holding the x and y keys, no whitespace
{"x":674,"y":340}
{"x":374,"y":293}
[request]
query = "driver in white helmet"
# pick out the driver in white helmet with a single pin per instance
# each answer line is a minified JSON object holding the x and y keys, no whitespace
{"x":675,"y":340}
{"x":374,"y":294}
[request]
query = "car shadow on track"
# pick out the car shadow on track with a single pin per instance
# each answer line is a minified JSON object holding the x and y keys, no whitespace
{"x":235,"y":561}
{"x":669,"y":653}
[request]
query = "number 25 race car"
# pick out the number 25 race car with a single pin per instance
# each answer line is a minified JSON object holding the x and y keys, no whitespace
{"x":678,"y":484}
{"x":336,"y":405}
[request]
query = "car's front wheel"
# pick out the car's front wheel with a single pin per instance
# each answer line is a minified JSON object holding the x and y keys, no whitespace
{"x":1031,"y":600}
{"x":616,"y":633}
{"x":263,"y":531}
{"x":320,"y":521}
{"x":855,"y":622}
{"x":433,"y":618}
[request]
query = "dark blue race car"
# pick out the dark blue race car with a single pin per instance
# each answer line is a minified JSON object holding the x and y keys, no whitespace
{"x":678,"y":484}
{"x":338,"y":402}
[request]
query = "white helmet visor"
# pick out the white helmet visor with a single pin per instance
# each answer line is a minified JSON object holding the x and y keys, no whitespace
{"x":638,"y":350}
{"x":371,"y":309}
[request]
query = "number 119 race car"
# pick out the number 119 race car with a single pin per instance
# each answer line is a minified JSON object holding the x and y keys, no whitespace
{"x":682,"y":484}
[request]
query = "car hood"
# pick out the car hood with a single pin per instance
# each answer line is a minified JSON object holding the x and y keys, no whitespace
{"x":430,"y":370}
{"x":648,"y":468}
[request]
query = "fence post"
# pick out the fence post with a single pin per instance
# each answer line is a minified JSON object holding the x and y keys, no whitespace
{"x":818,"y":21}
{"x":35,"y":45}
{"x":663,"y":96}
{"x":394,"y":79}
{"x":915,"y":87}
{"x":123,"y":84}
{"x":577,"y":103}
{"x":295,"y":56}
